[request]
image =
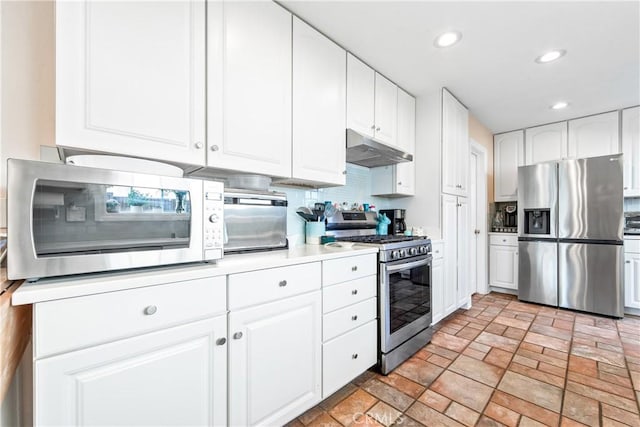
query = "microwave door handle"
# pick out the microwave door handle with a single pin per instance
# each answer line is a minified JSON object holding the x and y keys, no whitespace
{"x":405,"y":266}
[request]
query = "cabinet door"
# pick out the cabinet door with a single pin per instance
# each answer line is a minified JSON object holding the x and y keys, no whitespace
{"x":545,"y":143}
{"x":386,"y":110}
{"x":503,"y":271}
{"x":129,"y":84}
{"x":450,"y":236}
{"x":176,"y":376}
{"x":437,"y":290}
{"x":249,"y":87}
{"x":275,"y":360}
{"x":464,"y":240}
{"x":405,"y":179}
{"x":508,"y":154}
{"x":632,"y":280}
{"x":406,"y":139}
{"x":360,"y":96}
{"x":319,"y":107}
{"x":392,"y":181}
{"x":594,"y":136}
{"x":455,"y":146}
{"x":631,"y":150}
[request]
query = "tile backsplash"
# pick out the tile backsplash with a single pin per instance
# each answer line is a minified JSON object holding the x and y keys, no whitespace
{"x":357,"y":190}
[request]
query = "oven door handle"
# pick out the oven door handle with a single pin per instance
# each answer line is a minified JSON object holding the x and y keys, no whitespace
{"x":409,"y":265}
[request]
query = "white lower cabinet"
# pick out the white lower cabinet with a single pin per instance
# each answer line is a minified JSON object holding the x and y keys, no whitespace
{"x":632,"y":273}
{"x":170,"y":375}
{"x":503,"y":261}
{"x":437,"y":283}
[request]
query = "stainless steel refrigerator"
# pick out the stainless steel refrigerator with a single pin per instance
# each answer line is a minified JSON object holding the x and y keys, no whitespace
{"x":570,"y":224}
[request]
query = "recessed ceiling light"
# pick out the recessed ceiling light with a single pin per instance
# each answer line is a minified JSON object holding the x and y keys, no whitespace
{"x":447,"y":39}
{"x":550,"y":56}
{"x":559,"y":105}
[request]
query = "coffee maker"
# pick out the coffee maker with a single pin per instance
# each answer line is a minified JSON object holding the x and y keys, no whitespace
{"x":511,"y":216}
{"x":397,"y":225}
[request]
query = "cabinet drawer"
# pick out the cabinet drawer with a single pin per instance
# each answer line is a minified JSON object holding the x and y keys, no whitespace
{"x":347,"y":356}
{"x":257,"y":287}
{"x":349,"y":268}
{"x":505,"y":240}
{"x":347,"y":318}
{"x":347,"y":293}
{"x":437,"y":249}
{"x":632,"y":245}
{"x":67,"y":324}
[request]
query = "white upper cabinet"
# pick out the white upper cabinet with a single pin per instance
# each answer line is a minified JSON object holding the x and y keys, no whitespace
{"x":508,"y":154}
{"x":386,"y":108}
{"x":372,"y":102}
{"x":631,"y":151}
{"x":360,"y":96}
{"x":132,"y":85}
{"x":249,"y":87}
{"x":399,"y":180}
{"x":455,"y":146}
{"x":545,"y":143}
{"x":594,"y":136}
{"x":319,"y":107}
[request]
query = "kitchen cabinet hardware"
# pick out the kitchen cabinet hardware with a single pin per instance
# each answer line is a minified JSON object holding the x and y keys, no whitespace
{"x":373,"y":127}
{"x":399,"y":182}
{"x":628,"y":262}
{"x":625,"y":188}
{"x":354,"y":292}
{"x":237,"y":335}
{"x":377,"y":129}
{"x":344,"y":172}
{"x":199,"y":145}
{"x":504,"y":240}
{"x":354,"y":317}
{"x":221,"y":341}
{"x":354,"y":268}
{"x":282,"y":283}
{"x":354,"y":356}
{"x":214,"y":147}
{"x":149,"y":310}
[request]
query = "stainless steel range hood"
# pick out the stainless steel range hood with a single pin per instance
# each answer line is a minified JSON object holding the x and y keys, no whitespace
{"x":366,"y":151}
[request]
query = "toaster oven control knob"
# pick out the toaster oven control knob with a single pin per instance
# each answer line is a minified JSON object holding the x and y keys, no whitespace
{"x":214,"y":218}
{"x":413,"y":251}
{"x":395,"y":254}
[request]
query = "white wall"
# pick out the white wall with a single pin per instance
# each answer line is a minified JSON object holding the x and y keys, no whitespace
{"x":28,"y":83}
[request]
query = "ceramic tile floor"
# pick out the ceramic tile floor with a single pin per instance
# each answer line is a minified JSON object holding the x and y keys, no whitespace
{"x":503,"y":362}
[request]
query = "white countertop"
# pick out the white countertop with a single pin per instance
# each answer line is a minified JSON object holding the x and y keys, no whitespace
{"x":88,"y":284}
{"x":631,"y":237}
{"x":502,"y":233}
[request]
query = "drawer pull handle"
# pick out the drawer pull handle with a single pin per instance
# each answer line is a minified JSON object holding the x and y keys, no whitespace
{"x":150,"y":310}
{"x":354,"y":268}
{"x":221,"y":341}
{"x":354,"y":292}
{"x":354,"y":317}
{"x":354,"y":356}
{"x":237,"y":335}
{"x":282,"y":283}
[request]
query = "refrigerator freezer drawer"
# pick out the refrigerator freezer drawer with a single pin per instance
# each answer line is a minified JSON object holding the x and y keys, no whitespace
{"x":590,"y":278}
{"x":537,"y":272}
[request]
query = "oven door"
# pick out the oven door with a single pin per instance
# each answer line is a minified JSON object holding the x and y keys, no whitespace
{"x":405,"y":300}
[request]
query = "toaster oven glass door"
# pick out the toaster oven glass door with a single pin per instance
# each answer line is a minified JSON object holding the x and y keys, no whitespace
{"x":70,"y":218}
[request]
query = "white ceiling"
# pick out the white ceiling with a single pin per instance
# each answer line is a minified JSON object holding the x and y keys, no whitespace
{"x":492,"y":70}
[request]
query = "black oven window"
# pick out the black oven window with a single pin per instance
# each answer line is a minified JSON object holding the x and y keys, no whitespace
{"x":409,"y":296}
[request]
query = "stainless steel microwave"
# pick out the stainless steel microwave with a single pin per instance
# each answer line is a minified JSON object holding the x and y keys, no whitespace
{"x":65,"y":219}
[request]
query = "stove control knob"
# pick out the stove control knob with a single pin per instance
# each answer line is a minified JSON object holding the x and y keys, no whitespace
{"x":403,"y":253}
{"x":423,"y":249}
{"x":413,"y":251}
{"x":395,"y":254}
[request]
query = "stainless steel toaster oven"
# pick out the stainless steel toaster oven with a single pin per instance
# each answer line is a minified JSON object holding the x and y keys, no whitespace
{"x":254,"y":220}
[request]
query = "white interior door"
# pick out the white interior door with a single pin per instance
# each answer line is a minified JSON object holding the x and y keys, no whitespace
{"x":479,"y":280}
{"x":473,"y":228}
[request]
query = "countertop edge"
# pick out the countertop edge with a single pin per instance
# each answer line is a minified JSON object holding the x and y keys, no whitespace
{"x":90,"y":284}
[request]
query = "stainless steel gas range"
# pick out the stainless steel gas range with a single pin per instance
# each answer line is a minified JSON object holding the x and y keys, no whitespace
{"x":404,"y":285}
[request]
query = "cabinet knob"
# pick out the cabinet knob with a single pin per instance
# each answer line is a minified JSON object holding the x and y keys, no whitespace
{"x":399,"y":182}
{"x":373,"y":127}
{"x":354,"y":317}
{"x":199,"y":145}
{"x":504,"y":240}
{"x":377,"y":129}
{"x":150,"y":310}
{"x":628,"y":262}
{"x":354,"y":356}
{"x":237,"y":335}
{"x":354,"y":268}
{"x":626,"y":188}
{"x":282,"y":283}
{"x":438,"y":251}
{"x":214,"y":148}
{"x":354,"y":292}
{"x":516,"y":253}
{"x":221,"y":341}
{"x":344,"y":172}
